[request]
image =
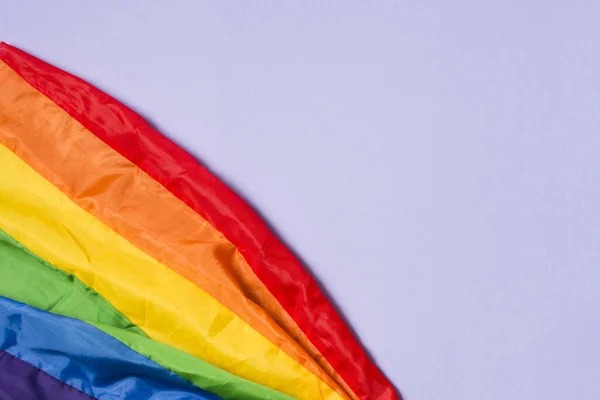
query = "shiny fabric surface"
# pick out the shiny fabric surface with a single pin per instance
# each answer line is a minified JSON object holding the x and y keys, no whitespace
{"x":282,"y":274}
{"x":22,"y":381}
{"x":86,"y":358}
{"x":126,"y":199}
{"x":26,"y":278}
{"x":163,"y":304}
{"x":185,"y":271}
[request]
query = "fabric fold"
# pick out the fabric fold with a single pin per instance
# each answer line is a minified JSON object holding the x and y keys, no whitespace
{"x":207,"y":277}
{"x":168,"y":308}
{"x":28,"y":279}
{"x":124,"y":198}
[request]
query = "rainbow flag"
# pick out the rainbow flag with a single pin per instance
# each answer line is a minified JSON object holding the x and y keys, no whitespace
{"x":128,"y":271}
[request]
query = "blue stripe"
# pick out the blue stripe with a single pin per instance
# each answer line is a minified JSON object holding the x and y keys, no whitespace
{"x":86,"y":358}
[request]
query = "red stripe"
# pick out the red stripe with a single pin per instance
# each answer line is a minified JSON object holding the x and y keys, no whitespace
{"x":127,"y":133}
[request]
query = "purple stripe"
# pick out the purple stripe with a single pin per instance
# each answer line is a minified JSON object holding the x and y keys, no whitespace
{"x":22,"y":381}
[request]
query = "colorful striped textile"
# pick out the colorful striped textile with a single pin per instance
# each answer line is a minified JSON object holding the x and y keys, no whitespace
{"x":28,"y":279}
{"x":20,"y":380}
{"x":104,"y":220}
{"x":86,"y":358}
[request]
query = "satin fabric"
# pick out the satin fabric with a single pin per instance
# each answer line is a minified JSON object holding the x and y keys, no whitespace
{"x":273,"y":263}
{"x":26,"y":278}
{"x":86,"y":358}
{"x":22,"y":381}
{"x":164,"y":305}
{"x":29,"y":279}
{"x":125,"y":198}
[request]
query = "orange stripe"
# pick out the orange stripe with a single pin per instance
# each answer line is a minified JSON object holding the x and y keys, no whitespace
{"x":137,"y":207}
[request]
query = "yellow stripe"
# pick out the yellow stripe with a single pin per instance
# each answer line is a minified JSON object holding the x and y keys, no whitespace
{"x":167,"y":307}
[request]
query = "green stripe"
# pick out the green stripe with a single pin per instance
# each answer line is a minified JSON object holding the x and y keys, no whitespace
{"x":26,"y":278}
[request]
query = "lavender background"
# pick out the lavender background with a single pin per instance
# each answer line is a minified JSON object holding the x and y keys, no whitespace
{"x":436,"y":163}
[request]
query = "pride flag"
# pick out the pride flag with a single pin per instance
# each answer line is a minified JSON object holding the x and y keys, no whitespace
{"x":128,"y":271}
